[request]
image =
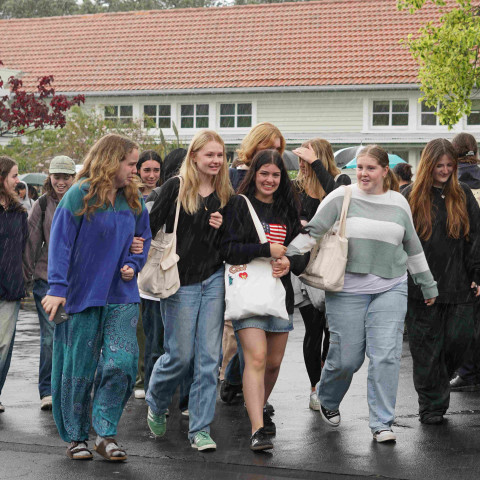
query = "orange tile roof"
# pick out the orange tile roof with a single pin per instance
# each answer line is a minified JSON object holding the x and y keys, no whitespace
{"x":322,"y":43}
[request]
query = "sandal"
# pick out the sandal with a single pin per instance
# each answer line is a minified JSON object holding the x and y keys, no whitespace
{"x":108,"y":453}
{"x":79,"y":451}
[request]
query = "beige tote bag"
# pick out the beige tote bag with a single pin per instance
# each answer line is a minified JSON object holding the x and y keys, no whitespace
{"x":328,"y":259}
{"x":159,"y":277}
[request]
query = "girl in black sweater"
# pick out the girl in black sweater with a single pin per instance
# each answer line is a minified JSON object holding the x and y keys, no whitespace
{"x":317,"y":177}
{"x":263,"y":338}
{"x":13,"y":239}
{"x":447,"y":219}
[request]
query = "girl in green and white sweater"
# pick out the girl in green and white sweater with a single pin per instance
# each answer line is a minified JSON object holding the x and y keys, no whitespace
{"x":367,"y":316}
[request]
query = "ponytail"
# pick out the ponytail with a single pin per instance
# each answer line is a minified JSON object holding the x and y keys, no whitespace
{"x":390,"y":182}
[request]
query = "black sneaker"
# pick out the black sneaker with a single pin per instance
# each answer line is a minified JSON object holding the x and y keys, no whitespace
{"x":269,"y":408}
{"x":269,"y":427}
{"x":228,"y":391}
{"x":432,"y":420}
{"x":332,"y":417}
{"x":458,"y":384}
{"x":260,"y":440}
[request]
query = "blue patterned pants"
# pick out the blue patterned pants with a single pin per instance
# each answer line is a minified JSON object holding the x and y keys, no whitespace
{"x":108,"y":331}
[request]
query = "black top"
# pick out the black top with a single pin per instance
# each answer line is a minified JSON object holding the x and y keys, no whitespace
{"x":197,"y":242}
{"x":454,"y":263}
{"x":240,"y":243}
{"x":236,"y":176}
{"x":328,"y":183}
{"x":13,"y":239}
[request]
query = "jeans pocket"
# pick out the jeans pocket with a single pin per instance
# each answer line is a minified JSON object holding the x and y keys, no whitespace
{"x":334,"y":357}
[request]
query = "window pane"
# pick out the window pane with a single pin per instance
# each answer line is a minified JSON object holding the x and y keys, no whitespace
{"x":149,"y":122}
{"x":150,"y":110}
{"x":380,"y":120}
{"x":227,"y":109}
{"x":202,"y":122}
{"x":244,"y":109}
{"x":426,"y":108}
{"x":111,"y":111}
{"x":381,"y":106}
{"x":187,"y":110}
{"x":126,"y":111}
{"x":399,"y":119}
{"x":164,"y":122}
{"x":186,"y":122}
{"x":244,"y":122}
{"x":227,"y":122}
{"x":164,"y":110}
{"x":429,"y":119}
{"x":202,"y":109}
{"x":125,"y":121}
{"x":474,"y":118}
{"x":400,"y":106}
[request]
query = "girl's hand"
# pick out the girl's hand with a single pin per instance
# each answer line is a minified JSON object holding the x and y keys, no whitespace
{"x":127,"y":273}
{"x":475,"y":287}
{"x":215,"y":220}
{"x":277,"y":250}
{"x":306,"y":154}
{"x":137,"y":245}
{"x":50,"y":304}
{"x":280,"y":267}
{"x":430,"y":301}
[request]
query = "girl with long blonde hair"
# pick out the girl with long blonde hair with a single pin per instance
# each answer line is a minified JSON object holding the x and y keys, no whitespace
{"x":193,"y":316}
{"x":447,"y":218}
{"x":318,"y":175}
{"x":92,"y":274}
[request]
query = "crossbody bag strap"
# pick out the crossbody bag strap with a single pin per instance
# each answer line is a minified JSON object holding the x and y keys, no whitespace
{"x":256,"y":221}
{"x":177,"y":212}
{"x":343,"y":215}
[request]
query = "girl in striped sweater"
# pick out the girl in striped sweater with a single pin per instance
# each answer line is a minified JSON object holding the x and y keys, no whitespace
{"x":367,"y":316}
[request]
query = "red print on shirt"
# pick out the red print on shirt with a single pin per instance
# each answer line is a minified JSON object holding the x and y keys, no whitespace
{"x":275,"y":233}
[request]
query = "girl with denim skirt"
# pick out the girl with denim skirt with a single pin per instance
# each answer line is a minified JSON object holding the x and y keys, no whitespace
{"x":318,"y":176}
{"x":13,"y":240}
{"x":193,"y":316}
{"x":93,"y":274}
{"x":367,"y":316}
{"x":447,"y":218}
{"x":263,"y":339}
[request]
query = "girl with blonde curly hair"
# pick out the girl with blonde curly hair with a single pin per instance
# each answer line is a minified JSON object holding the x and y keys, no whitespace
{"x":92,"y":273}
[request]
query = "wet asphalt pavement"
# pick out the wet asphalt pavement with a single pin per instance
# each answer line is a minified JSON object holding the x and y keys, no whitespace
{"x":305,"y":448}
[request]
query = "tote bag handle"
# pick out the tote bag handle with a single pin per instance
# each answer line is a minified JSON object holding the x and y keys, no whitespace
{"x":343,"y":215}
{"x":256,"y":221}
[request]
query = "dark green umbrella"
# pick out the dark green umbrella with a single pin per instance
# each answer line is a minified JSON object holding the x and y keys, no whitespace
{"x":33,"y":178}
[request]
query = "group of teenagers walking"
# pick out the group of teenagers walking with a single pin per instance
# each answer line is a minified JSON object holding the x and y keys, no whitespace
{"x":85,"y":243}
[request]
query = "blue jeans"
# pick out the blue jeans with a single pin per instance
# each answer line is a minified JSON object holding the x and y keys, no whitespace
{"x":8,"y":322}
{"x":359,"y":324}
{"x":193,"y":321}
{"x":40,"y":288}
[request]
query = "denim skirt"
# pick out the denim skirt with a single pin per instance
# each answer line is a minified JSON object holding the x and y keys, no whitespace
{"x":266,"y":323}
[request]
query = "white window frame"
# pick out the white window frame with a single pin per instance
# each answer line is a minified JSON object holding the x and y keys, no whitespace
{"x":235,"y":115}
{"x":475,"y":126}
{"x":195,"y":104}
{"x":390,"y":114}
{"x":157,"y":117}
{"x":118,"y":117}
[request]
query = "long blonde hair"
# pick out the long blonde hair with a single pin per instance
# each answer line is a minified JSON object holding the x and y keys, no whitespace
{"x":264,"y":134}
{"x":99,"y":169}
{"x":308,"y":181}
{"x":191,"y":179}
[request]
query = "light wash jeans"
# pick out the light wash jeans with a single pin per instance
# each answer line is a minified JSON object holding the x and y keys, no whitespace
{"x":359,"y":324}
{"x":40,"y":288}
{"x":8,"y":322}
{"x":193,"y":321}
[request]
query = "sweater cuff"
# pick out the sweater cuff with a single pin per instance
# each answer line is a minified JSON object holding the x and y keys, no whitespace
{"x":430,"y":292}
{"x":57,"y":291}
{"x":265,"y":250}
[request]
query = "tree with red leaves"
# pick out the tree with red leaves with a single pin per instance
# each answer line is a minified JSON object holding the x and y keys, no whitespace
{"x":22,"y":112}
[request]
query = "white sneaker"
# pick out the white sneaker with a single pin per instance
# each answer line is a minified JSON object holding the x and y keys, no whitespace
{"x":314,"y":402}
{"x":185,"y":413}
{"x":384,"y":436}
{"x":46,"y":403}
{"x":140,"y":393}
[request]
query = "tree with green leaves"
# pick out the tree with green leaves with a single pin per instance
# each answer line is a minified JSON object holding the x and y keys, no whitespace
{"x":447,"y":52}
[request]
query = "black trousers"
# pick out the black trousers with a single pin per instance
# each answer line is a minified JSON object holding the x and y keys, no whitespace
{"x":439,"y":337}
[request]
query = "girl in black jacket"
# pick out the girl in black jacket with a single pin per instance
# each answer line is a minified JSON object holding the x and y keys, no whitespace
{"x":13,"y":238}
{"x":263,"y":338}
{"x":447,"y":219}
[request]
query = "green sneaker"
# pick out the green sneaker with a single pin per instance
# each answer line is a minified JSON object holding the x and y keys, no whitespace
{"x":203,"y":441}
{"x":157,"y":423}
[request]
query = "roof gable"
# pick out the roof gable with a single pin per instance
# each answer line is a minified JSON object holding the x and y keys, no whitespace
{"x":329,"y":42}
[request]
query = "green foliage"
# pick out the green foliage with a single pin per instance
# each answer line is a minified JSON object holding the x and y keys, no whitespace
{"x":447,"y":53}
{"x":83,"y":128}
